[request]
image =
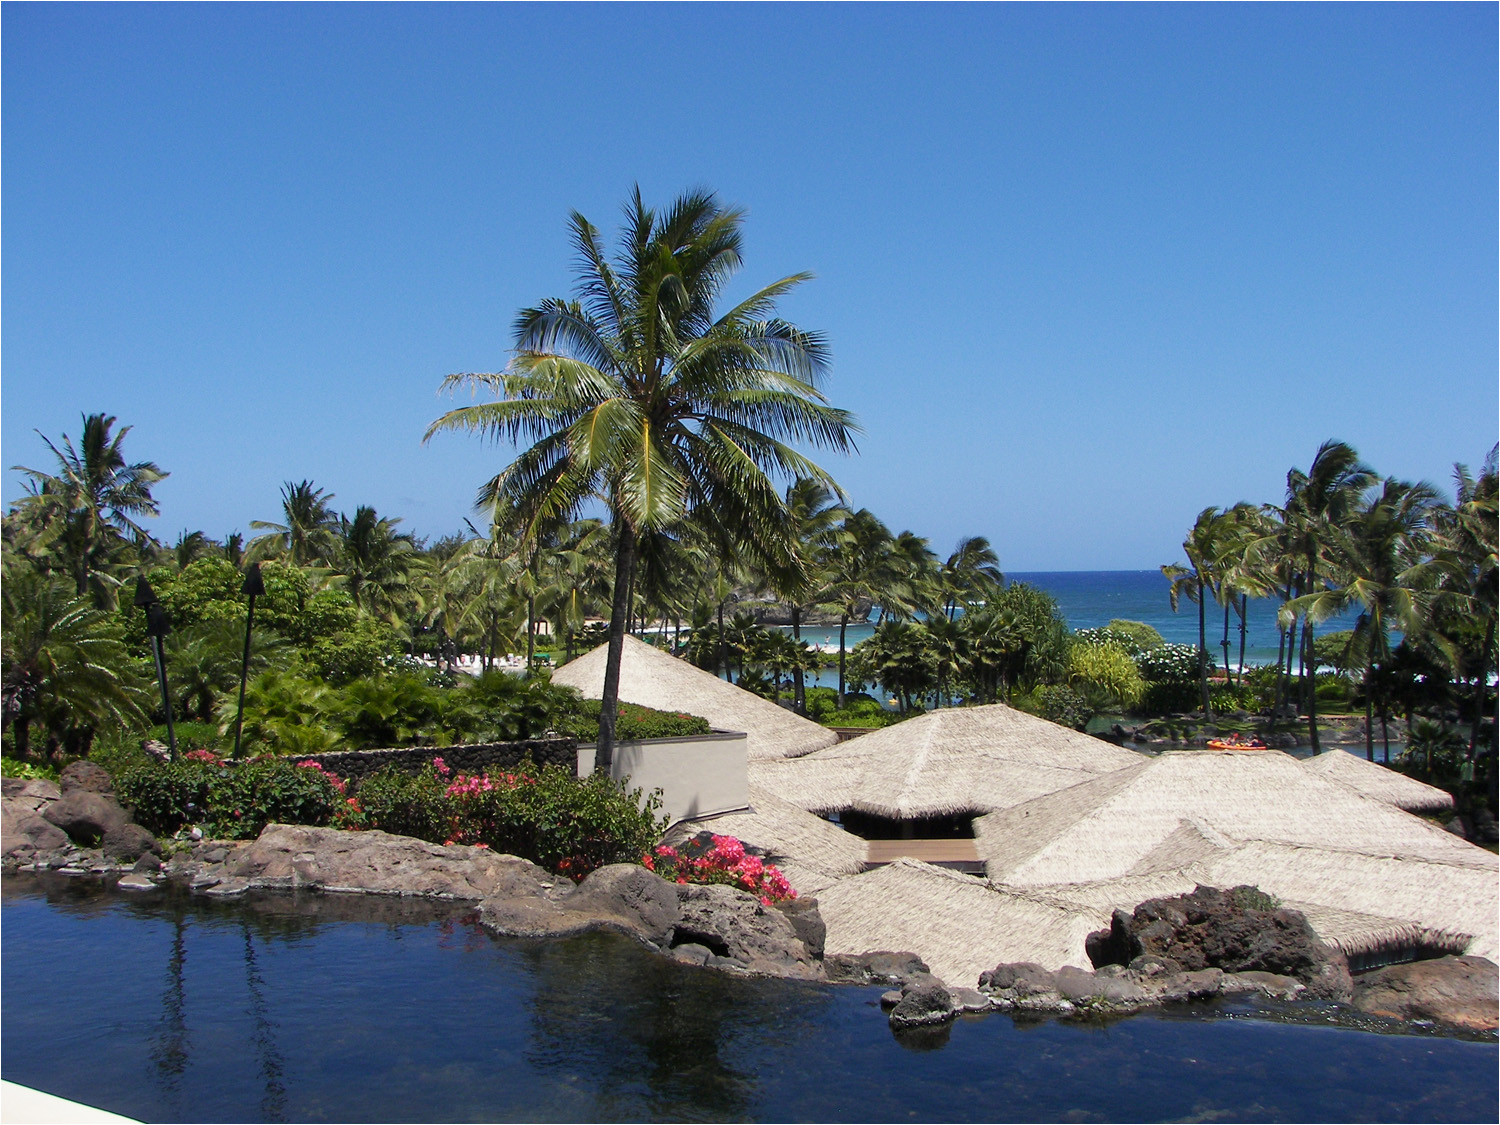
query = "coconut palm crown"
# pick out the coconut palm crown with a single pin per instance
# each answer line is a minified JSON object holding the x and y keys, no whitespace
{"x":637,"y":393}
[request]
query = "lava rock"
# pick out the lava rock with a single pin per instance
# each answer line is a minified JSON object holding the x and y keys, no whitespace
{"x":803,"y":914}
{"x":86,"y":815}
{"x":646,"y":903}
{"x":129,"y":842}
{"x":22,"y":829}
{"x":1235,"y":930}
{"x":287,"y":855}
{"x":1458,"y":991}
{"x":86,"y":777}
{"x":737,"y":924}
{"x":876,"y":967}
{"x":927,"y":1004}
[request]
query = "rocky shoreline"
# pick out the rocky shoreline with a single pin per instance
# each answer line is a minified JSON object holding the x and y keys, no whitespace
{"x":1201,"y":946}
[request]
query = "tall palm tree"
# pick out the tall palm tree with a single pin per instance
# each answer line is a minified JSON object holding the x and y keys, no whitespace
{"x":87,"y":510}
{"x":1195,"y":581}
{"x":859,"y":572}
{"x":971,"y":574}
{"x":1379,"y":560}
{"x":813,"y":512}
{"x":577,"y":578}
{"x":375,"y":560}
{"x":310,"y":534}
{"x":1466,"y":550}
{"x":1317,"y":503}
{"x":637,"y":392}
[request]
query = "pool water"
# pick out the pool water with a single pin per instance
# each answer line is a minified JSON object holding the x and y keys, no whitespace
{"x":341,"y":1008}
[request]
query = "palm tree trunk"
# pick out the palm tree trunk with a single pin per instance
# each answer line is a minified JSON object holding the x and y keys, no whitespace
{"x":1310,"y":678}
{"x":1481,"y":686}
{"x":1228,"y":678}
{"x":1202,"y":647}
{"x":1244,"y":605}
{"x":843,"y":625}
{"x":530,"y":630}
{"x":1369,"y":718}
{"x":604,"y":750}
{"x":799,"y":687}
{"x":723,"y":647}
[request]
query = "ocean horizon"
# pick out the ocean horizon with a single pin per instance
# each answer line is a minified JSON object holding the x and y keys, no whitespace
{"x":1091,"y":599}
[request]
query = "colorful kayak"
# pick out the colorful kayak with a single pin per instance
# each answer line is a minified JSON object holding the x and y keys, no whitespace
{"x":1235,"y":742}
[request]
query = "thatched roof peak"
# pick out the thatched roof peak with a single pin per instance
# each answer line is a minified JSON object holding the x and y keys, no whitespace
{"x":954,"y":760}
{"x":653,"y":678}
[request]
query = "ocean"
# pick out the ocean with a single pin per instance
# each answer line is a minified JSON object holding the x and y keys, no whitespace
{"x":1090,"y":599}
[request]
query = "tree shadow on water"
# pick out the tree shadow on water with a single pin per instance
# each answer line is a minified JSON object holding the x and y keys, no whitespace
{"x":656,"y":1038}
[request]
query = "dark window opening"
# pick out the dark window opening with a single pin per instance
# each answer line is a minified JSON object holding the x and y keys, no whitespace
{"x":868,"y":826}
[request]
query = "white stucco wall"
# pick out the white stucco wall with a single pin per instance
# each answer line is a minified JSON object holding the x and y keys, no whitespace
{"x":698,"y":776}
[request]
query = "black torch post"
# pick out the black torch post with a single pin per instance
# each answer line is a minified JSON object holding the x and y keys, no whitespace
{"x":254,"y":587}
{"x":157,"y":627}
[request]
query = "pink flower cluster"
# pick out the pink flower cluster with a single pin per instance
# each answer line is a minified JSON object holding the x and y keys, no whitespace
{"x":202,"y":755}
{"x":471,"y":785}
{"x":723,"y":861}
{"x":334,"y":779}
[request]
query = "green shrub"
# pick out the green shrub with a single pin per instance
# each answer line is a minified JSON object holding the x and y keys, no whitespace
{"x":166,"y":796}
{"x":1107,"y":667}
{"x":873,"y":716}
{"x":1064,"y":706}
{"x":1125,"y":640}
{"x":27,"y":771}
{"x":1333,"y":691}
{"x":1145,"y":636}
{"x":1167,"y":698}
{"x":405,"y":804}
{"x":1232,"y":697}
{"x":633,"y":721}
{"x":569,"y":825}
{"x":1253,"y":898}
{"x":1168,"y":663}
{"x":228,"y":801}
{"x":245,"y":798}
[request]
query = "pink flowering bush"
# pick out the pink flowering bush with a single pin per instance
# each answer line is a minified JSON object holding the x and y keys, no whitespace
{"x":723,"y":860}
{"x":569,"y":825}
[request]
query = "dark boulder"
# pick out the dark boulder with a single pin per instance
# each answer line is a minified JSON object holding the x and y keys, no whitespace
{"x":876,"y":967}
{"x":926,"y":1004}
{"x":803,"y":914}
{"x":129,"y":842}
{"x":86,"y":777}
{"x":86,"y":815}
{"x":737,"y":925}
{"x":23,"y":831}
{"x":1239,"y":930}
{"x":645,"y":901}
{"x":1458,"y":991}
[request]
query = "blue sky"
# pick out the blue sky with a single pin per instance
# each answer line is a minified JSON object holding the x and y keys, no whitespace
{"x":1084,"y":270}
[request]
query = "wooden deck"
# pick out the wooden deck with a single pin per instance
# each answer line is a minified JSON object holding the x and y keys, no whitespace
{"x":960,"y":855}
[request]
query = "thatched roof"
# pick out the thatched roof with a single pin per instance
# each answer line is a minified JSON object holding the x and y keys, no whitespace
{"x":653,"y":678}
{"x":1225,"y":818}
{"x":953,"y":760}
{"x":1109,"y":826}
{"x":1380,"y":782}
{"x":793,"y":838}
{"x":960,"y":925}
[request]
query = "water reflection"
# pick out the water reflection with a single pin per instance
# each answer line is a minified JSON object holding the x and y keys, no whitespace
{"x":673,"y":1041}
{"x":263,"y":1035}
{"x":169,"y":1048}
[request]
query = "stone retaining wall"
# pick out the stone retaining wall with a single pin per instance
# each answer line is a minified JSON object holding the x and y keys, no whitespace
{"x":466,"y":758}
